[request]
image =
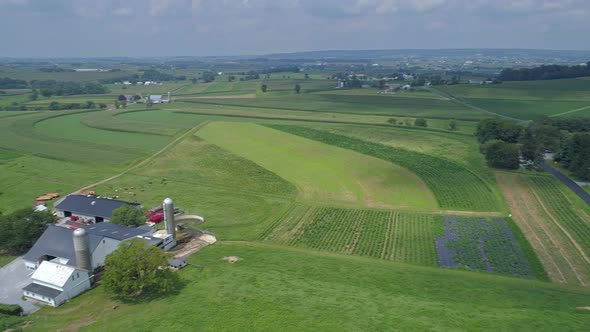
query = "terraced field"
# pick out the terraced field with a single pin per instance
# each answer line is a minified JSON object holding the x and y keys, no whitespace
{"x":454,"y":186}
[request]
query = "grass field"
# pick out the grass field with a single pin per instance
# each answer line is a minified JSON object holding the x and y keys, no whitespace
{"x":544,"y":214}
{"x":6,"y":259}
{"x":529,"y":99}
{"x":300,"y":289}
{"x":454,"y":186}
{"x":322,"y":173}
{"x":203,"y":179}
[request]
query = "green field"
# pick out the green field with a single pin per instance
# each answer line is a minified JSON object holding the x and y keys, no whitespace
{"x":398,"y":236}
{"x":296,"y":289}
{"x":321,"y":172}
{"x":529,"y":99}
{"x":454,"y":186}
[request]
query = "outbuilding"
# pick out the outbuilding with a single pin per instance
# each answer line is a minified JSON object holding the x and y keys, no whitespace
{"x":55,"y":283}
{"x":89,"y":208}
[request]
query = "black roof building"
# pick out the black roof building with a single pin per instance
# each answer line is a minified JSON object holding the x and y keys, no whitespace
{"x":91,"y":205}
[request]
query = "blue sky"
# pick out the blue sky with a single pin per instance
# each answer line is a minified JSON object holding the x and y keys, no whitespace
{"x":53,"y":28}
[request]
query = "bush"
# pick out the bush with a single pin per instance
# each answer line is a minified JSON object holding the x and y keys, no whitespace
{"x":11,"y":309}
{"x":420,"y":122}
{"x":500,"y":154}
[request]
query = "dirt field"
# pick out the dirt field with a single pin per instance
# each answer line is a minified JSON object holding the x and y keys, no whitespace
{"x":558,"y":255}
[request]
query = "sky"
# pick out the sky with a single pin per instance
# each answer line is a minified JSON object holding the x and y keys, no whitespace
{"x":99,"y":28}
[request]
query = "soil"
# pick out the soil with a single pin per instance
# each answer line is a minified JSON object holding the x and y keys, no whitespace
{"x":584,"y":308}
{"x":231,"y":259}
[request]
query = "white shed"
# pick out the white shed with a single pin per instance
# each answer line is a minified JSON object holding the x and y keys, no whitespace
{"x":55,"y":283}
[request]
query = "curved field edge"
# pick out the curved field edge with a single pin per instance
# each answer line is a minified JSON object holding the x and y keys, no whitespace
{"x":302,"y":290}
{"x":454,"y":186}
{"x":323,"y":173}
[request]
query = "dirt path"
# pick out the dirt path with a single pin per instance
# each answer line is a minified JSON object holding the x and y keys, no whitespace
{"x":145,"y":161}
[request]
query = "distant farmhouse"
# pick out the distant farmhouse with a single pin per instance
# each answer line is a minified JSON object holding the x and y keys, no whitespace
{"x":89,"y":208}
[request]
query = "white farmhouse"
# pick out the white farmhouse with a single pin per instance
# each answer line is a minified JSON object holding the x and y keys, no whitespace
{"x":54,"y":283}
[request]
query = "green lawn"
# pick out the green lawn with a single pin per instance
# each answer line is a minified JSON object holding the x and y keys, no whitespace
{"x":274,"y":288}
{"x":323,"y":173}
{"x":4,"y":260}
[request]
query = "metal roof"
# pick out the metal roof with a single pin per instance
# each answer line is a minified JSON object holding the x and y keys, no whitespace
{"x":114,"y":231}
{"x":58,"y":242}
{"x":53,"y":274}
{"x":42,"y":290}
{"x":91,"y":206}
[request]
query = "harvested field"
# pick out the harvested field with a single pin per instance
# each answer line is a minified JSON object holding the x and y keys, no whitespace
{"x":560,"y":258}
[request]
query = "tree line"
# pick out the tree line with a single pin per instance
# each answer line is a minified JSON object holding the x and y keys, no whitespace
{"x":10,"y":83}
{"x":545,"y":72}
{"x":48,"y":88}
{"x":507,"y":144}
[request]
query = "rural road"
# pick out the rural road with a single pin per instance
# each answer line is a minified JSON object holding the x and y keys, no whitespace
{"x":14,"y":277}
{"x":473,"y":107}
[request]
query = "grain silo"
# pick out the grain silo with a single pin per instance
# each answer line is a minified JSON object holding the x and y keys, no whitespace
{"x":170,"y":225}
{"x":82,"y":250}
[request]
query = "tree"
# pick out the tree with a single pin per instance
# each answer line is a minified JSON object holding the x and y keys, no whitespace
{"x":500,"y":154}
{"x":193,"y":80}
{"x":381,"y":84}
{"x":102,"y":106}
{"x":137,"y":269}
{"x":128,"y":215}
{"x":392,"y":121}
{"x":90,"y":104}
{"x":500,"y":129}
{"x":297,"y":88}
{"x":34,"y":95}
{"x":306,"y":76}
{"x":54,"y":106}
{"x":21,"y":229}
{"x":420,"y":122}
{"x":452,"y":125}
{"x":263,"y":87}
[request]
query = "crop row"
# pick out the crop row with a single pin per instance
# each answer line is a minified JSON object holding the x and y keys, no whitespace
{"x":404,"y":237}
{"x":563,"y":210}
{"x":454,"y":186}
{"x":481,"y":244}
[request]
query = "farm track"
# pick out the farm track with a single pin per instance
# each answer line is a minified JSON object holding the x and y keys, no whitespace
{"x":146,"y":160}
{"x":561,"y":261}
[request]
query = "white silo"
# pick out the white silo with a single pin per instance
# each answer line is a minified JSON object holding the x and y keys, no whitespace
{"x":170,"y":225}
{"x":82,"y":249}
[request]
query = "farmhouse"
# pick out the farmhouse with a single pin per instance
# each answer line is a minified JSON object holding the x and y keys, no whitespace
{"x":54,"y":283}
{"x":89,"y":208}
{"x":56,"y":244}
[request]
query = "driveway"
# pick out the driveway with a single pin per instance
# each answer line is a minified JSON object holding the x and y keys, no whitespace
{"x":13,"y":277}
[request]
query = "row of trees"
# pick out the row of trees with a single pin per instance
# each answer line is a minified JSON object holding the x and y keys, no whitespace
{"x":10,"y":83}
{"x":507,"y":144}
{"x":48,"y":88}
{"x":545,"y":72}
{"x":56,"y":106}
{"x":21,"y":229}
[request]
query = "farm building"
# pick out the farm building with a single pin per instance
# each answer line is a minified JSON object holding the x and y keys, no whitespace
{"x":55,"y":283}
{"x":56,"y":244}
{"x":89,"y":208}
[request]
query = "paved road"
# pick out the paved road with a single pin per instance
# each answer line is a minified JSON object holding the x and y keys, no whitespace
{"x":584,"y":195}
{"x":13,"y":277}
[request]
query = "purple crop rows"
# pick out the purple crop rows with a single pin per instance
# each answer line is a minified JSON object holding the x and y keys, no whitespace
{"x":481,"y":244}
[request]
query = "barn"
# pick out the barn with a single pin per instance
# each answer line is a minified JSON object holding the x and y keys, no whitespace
{"x":56,"y":244}
{"x":89,"y":208}
{"x":54,"y":283}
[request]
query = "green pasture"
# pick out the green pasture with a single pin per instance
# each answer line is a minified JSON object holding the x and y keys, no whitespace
{"x":273,"y":287}
{"x":30,"y":74}
{"x":323,"y":173}
{"x":354,"y":104}
{"x":531,"y":109}
{"x":454,"y":186}
{"x":22,"y":178}
{"x":460,"y":149}
{"x":237,"y":197}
